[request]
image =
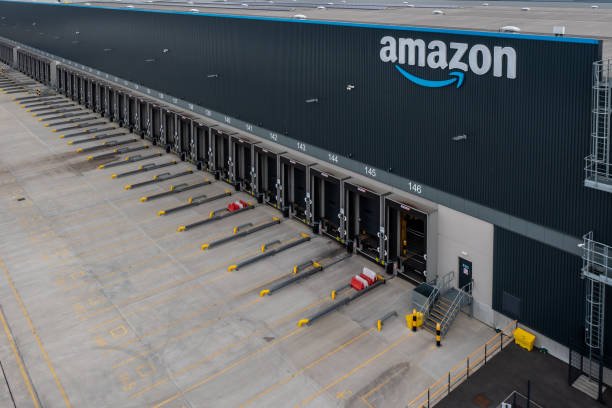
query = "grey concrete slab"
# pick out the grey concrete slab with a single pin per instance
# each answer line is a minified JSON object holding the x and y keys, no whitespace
{"x":110,"y":306}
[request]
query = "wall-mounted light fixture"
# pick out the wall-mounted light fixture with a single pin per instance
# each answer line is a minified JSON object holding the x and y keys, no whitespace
{"x":212,"y":76}
{"x":459,"y":138}
{"x":312,"y":100}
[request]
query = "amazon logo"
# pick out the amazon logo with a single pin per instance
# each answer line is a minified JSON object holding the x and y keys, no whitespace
{"x":458,"y":58}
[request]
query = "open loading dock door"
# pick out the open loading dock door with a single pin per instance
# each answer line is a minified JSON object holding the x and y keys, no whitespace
{"x":295,"y":192}
{"x":133,"y":116}
{"x":327,"y":199}
{"x":182,"y":143}
{"x":407,"y":239}
{"x":123,"y":108}
{"x":364,"y":224}
{"x":220,"y":145}
{"x":145,"y":128}
{"x":170,"y":127}
{"x":200,"y":143}
{"x":157,"y":126}
{"x":243,"y":158}
{"x":268,"y":180}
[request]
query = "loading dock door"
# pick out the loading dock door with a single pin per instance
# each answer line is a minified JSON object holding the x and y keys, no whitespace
{"x":182,"y":143}
{"x":201,"y":142}
{"x":407,"y":239}
{"x":268,"y":183}
{"x":363,"y":212}
{"x":112,"y":104}
{"x":326,"y":198}
{"x":144,"y":119}
{"x":223,"y":163}
{"x":122,"y":113}
{"x":243,"y":163}
{"x":134,"y":114}
{"x":157,"y":124}
{"x":295,"y":190}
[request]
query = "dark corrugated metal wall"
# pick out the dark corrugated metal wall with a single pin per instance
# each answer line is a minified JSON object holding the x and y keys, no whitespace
{"x":548,"y":283}
{"x":526,"y":137}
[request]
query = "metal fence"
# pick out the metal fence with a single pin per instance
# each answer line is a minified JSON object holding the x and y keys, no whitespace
{"x":462,"y":371}
{"x":518,"y":400}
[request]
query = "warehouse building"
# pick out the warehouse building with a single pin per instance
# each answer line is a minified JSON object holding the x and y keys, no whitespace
{"x":426,"y":140}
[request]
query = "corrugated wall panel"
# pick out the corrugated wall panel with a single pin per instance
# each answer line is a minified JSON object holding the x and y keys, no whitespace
{"x":548,"y":283}
{"x":527,"y":137}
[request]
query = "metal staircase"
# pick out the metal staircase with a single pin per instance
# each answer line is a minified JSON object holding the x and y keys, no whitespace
{"x":446,"y":308}
{"x":598,"y":165}
{"x":597,"y":270}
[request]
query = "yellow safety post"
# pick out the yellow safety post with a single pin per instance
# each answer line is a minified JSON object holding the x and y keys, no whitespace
{"x":263,"y":248}
{"x":100,"y":167}
{"x":190,"y":200}
{"x":438,"y":334}
{"x":181,"y":228}
{"x":264,"y":292}
{"x":303,"y":322}
{"x":161,"y":212}
{"x":211,"y":214}
{"x":232,"y":268}
{"x":172,"y":188}
{"x":315,"y":264}
{"x":127,"y":187}
{"x":333,"y":295}
{"x":143,"y":199}
{"x":235,"y":230}
{"x":414,"y":320}
{"x":70,"y":143}
{"x":204,"y":247}
{"x":45,"y":125}
{"x":379,"y":325}
{"x":89,"y":158}
{"x":79,"y":150}
{"x":295,"y":269}
{"x":409,"y":321}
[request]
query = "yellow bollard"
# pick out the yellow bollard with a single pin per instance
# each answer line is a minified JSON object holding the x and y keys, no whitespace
{"x":414,"y":320}
{"x":438,"y":336}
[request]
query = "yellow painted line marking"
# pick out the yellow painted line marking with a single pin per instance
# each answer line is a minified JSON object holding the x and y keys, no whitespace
{"x":160,"y":289}
{"x":200,"y":326}
{"x":367,"y":403}
{"x":354,"y":370}
{"x":290,"y":377}
{"x":227,"y":368}
{"x":224,"y":349}
{"x":22,"y":370}
{"x":364,"y":398}
{"x":25,"y":313}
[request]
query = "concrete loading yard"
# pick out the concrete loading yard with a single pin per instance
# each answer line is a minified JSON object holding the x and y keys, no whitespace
{"x":124,"y":311}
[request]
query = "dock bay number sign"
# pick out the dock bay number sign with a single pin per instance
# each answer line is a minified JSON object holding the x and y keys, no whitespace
{"x":457,"y":57}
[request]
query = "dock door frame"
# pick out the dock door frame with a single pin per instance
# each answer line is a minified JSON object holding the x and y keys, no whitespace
{"x":333,"y":225}
{"x":394,"y":255}
{"x":352,"y":210}
{"x":268,"y":183}
{"x":289,"y":200}
{"x":243,"y":157}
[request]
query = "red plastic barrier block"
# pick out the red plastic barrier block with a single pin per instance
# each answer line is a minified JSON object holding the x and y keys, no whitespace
{"x":358,"y":283}
{"x":367,"y":278}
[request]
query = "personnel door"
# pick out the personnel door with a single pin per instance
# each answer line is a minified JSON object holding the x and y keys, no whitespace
{"x":465,"y":274}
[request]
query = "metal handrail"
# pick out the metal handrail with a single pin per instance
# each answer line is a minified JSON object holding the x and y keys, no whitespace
{"x":426,"y":307}
{"x":456,"y":304}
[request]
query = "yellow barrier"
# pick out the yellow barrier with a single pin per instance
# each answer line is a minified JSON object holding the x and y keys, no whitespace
{"x":524,"y":339}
